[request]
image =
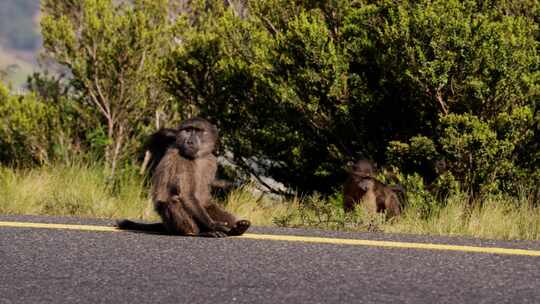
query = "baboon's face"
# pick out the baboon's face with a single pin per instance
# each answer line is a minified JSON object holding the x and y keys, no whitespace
{"x":196,"y":138}
{"x":364,"y":184}
{"x":363,"y":168}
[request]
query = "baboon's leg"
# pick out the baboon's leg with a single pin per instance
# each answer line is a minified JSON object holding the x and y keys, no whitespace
{"x":348,"y":204}
{"x":176,"y":219}
{"x":370,"y":201}
{"x":198,"y":214}
{"x":392,"y":205}
{"x":381,"y":202}
{"x":218,"y":214}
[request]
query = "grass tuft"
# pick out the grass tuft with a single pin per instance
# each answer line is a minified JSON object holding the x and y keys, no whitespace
{"x":75,"y":190}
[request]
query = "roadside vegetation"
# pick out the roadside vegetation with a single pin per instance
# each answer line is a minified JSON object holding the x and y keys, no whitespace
{"x":84,"y":191}
{"x":443,"y":95}
{"x":75,"y":190}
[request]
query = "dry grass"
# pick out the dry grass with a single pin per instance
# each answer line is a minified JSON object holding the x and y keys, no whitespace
{"x":70,"y":190}
{"x":497,"y":218}
{"x":261,"y":212}
{"x":83,"y":191}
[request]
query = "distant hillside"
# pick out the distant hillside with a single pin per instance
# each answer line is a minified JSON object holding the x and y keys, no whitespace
{"x":19,"y":39}
{"x":18,"y":28}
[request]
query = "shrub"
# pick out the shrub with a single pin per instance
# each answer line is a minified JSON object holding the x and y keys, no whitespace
{"x":299,"y":88}
{"x":29,"y":132}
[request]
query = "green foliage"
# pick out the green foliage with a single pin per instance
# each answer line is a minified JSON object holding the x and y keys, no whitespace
{"x":31,"y":130}
{"x":112,"y":50}
{"x":444,"y":93}
{"x":447,"y":91}
{"x":263,"y":91}
{"x":477,"y":66}
{"x":453,"y":55}
{"x":301,"y":87}
{"x":473,"y":149}
{"x":480,"y":155}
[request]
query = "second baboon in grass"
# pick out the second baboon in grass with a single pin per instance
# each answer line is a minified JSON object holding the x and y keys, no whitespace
{"x":362,"y":187}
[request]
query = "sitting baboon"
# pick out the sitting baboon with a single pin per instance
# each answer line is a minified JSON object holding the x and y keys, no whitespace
{"x":362,"y":187}
{"x":181,"y":186}
{"x":155,"y":148}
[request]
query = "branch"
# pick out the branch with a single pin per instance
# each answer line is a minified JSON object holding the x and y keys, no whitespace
{"x":269,"y":24}
{"x":98,"y":104}
{"x":441,"y":102}
{"x":106,"y":105}
{"x":141,"y":64}
{"x":267,"y":186}
{"x":122,"y":85}
{"x":231,"y":5}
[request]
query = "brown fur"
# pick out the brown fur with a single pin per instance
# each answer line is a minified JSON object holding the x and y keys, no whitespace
{"x":181,"y":187}
{"x":362,"y":187}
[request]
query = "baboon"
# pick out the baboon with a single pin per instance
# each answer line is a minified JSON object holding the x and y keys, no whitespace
{"x":155,"y":148}
{"x":362,"y":187}
{"x":181,"y":186}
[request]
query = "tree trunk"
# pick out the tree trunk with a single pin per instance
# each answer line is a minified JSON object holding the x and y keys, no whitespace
{"x":111,"y":150}
{"x":118,"y":143}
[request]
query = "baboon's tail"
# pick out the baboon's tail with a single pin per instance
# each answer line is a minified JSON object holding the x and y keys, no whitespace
{"x":130,"y":225}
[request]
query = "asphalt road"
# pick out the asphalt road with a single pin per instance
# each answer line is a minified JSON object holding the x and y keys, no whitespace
{"x":77,"y":266}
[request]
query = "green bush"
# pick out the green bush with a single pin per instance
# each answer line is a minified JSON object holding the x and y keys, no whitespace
{"x":447,"y":90}
{"x":30,"y":131}
{"x":299,"y":88}
{"x":480,"y":155}
{"x":112,"y":50}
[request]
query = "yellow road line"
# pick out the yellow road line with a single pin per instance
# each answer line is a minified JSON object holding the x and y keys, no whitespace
{"x":392,"y":244}
{"x":58,"y":226}
{"x":306,"y":239}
